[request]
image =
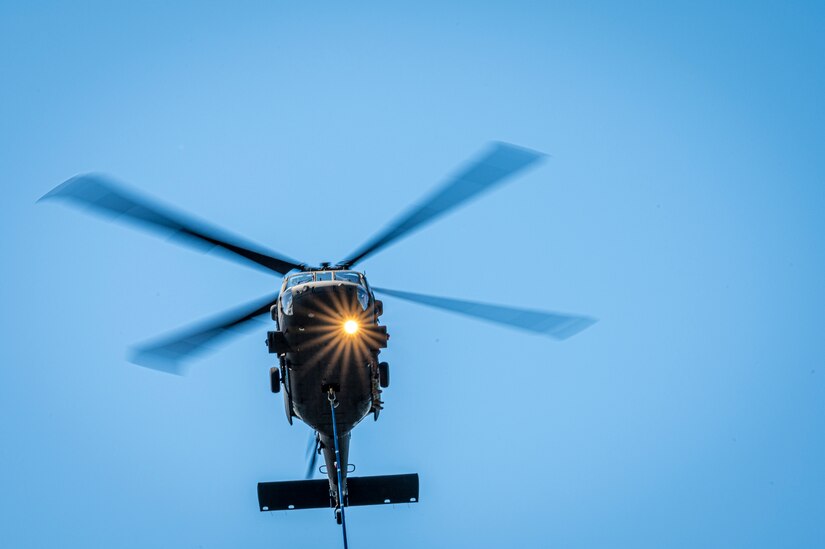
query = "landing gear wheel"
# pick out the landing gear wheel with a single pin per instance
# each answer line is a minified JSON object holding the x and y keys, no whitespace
{"x":275,"y":379}
{"x":338,"y":519}
{"x":384,"y":374}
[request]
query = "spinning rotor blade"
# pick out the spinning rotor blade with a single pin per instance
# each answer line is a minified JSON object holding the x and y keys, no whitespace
{"x":555,"y":325}
{"x":166,"y":354}
{"x":103,"y":196}
{"x":496,"y":165}
{"x":312,"y":457}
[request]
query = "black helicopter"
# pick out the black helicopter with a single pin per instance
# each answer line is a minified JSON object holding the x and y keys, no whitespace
{"x":327,"y":333}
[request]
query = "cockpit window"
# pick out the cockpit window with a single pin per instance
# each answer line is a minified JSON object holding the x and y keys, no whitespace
{"x":296,"y":279}
{"x":303,"y":278}
{"x":348,"y":276}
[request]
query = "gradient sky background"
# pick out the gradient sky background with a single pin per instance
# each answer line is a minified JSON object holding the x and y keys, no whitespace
{"x":682,"y":205}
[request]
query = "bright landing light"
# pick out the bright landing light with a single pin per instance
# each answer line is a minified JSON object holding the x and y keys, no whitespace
{"x":350,"y":326}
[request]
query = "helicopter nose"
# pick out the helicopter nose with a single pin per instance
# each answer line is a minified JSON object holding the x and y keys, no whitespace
{"x":351,"y":327}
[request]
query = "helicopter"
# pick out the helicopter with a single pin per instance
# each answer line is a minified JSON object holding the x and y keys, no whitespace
{"x":327,"y":333}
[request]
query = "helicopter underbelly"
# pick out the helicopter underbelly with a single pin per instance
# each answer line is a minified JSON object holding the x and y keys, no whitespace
{"x":352,"y":382}
{"x":323,"y":355}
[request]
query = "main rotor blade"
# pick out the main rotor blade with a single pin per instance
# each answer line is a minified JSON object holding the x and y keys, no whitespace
{"x":501,"y":161}
{"x":168,"y":353}
{"x":555,"y":325}
{"x":105,"y":197}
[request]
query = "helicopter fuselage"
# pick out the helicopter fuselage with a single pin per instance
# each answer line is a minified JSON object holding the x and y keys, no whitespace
{"x":328,"y":339}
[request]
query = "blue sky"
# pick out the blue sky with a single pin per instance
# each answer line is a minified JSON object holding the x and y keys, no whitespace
{"x":681,"y":205}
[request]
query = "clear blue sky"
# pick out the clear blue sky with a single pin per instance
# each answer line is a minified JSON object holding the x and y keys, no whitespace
{"x":682,"y":205}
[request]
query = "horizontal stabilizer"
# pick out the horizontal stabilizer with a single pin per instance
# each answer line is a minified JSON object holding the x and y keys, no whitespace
{"x":314,"y":494}
{"x":382,"y":489}
{"x":293,"y":494}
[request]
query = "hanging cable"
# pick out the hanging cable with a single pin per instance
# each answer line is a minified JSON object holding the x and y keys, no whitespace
{"x":331,"y":398}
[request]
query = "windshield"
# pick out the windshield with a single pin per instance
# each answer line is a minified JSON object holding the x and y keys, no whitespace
{"x":303,"y":278}
{"x":348,"y":276}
